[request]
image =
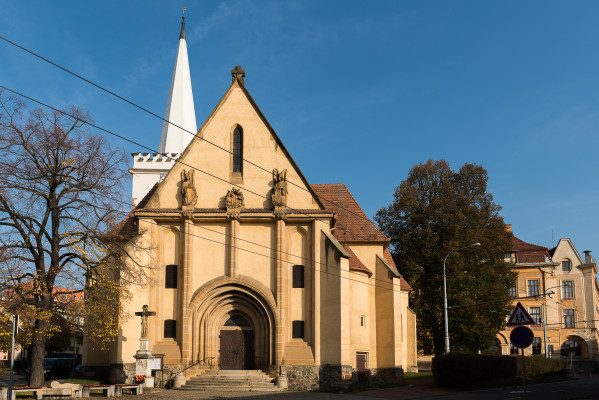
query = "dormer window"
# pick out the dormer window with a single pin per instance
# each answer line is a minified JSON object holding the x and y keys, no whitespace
{"x":566,"y":265}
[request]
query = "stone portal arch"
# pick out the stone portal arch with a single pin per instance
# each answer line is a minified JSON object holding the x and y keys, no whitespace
{"x":576,"y":345}
{"x":217,"y":302}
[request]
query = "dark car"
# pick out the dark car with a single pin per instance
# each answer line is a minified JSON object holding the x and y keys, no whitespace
{"x":72,"y":357}
{"x":54,"y":368}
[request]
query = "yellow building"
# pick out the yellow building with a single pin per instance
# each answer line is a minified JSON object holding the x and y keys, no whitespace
{"x":253,"y":267}
{"x":568,"y":317}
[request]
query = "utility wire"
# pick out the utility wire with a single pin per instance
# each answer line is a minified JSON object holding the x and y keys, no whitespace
{"x":167,"y":121}
{"x":244,"y":249}
{"x":173,"y":159}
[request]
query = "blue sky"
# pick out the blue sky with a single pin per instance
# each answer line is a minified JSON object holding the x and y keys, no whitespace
{"x":358,"y":91}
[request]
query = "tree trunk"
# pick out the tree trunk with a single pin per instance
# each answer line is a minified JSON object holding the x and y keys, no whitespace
{"x":38,"y":348}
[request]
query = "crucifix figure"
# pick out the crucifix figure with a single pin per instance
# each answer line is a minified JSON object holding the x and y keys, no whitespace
{"x":144,"y":320}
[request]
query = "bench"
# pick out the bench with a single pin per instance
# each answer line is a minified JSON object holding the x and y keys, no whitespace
{"x":133,"y":388}
{"x":107,"y":390}
{"x":72,"y":390}
{"x":4,"y":391}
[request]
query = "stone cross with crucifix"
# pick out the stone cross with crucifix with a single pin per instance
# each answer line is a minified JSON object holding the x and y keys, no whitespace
{"x":144,"y":320}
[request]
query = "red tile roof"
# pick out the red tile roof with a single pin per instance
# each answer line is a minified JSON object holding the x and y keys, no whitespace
{"x":352,"y":223}
{"x":529,"y":253}
{"x":354,"y":262}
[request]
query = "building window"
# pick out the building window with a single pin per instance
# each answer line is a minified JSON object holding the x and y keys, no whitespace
{"x":514,"y":290}
{"x":567,"y":290}
{"x":170,"y":278}
{"x":535,"y":313}
{"x":297,"y":328}
{"x":533,"y":287}
{"x":569,"y":320}
{"x":513,"y":349}
{"x":238,"y":150}
{"x":362,"y":320}
{"x":536,"y":345}
{"x":298,"y":276}
{"x":170,"y":328}
{"x":566,"y":266}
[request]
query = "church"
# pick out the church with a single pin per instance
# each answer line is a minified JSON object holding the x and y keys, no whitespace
{"x":251,"y":266}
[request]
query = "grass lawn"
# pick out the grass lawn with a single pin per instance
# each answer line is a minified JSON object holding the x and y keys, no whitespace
{"x":410,"y":376}
{"x":5,"y":371}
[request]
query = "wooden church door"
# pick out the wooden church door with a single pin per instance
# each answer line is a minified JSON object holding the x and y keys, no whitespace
{"x":236,"y":349}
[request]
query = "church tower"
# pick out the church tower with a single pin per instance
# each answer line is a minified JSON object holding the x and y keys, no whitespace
{"x":178,"y":128}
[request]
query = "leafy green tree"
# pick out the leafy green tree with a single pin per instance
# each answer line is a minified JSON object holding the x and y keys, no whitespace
{"x":435,"y":211}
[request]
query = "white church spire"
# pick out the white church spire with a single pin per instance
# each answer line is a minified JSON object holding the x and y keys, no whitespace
{"x":179,"y":110}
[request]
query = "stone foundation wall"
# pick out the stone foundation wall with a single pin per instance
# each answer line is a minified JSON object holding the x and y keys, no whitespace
{"x":335,"y":378}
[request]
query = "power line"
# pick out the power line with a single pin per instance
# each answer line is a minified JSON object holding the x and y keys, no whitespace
{"x":170,"y":158}
{"x":167,"y":121}
{"x":247,"y":250}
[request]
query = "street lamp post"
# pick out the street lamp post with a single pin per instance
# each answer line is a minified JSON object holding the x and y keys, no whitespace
{"x":445,"y":294}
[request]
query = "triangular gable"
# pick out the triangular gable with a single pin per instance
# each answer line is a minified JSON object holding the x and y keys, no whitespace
{"x":564,"y":248}
{"x":207,"y":153}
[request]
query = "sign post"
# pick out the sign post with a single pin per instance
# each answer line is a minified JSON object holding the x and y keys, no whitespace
{"x":521,"y":336}
{"x":15,"y":331}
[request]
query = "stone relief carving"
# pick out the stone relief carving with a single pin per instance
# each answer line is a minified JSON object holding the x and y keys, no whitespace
{"x":279,"y":195}
{"x":189,"y":195}
{"x":234,"y":202}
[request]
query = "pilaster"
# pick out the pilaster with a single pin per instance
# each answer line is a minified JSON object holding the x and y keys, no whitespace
{"x":184,"y":333}
{"x":282,"y":289}
{"x":234,"y":247}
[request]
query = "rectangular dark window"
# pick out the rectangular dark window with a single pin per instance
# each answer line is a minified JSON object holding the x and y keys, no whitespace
{"x":170,"y":328}
{"x":170,"y":279}
{"x":566,"y":265}
{"x":298,"y":276}
{"x":536,"y":345}
{"x":535,"y":313}
{"x":514,"y":290}
{"x":567,"y":290}
{"x":569,"y":321}
{"x":298,"y":329}
{"x":533,"y":287}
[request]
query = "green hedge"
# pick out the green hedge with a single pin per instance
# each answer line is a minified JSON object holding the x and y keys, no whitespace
{"x":456,"y":369}
{"x":539,"y":365}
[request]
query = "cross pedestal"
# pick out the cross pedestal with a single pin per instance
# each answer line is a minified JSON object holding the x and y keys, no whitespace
{"x":143,"y":356}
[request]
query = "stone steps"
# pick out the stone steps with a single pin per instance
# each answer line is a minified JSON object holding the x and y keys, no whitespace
{"x":231,"y":381}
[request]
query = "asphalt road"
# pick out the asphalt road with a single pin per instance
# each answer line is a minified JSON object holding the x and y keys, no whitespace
{"x":582,"y":389}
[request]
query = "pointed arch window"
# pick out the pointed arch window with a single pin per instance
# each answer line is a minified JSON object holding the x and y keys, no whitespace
{"x":238,"y":150}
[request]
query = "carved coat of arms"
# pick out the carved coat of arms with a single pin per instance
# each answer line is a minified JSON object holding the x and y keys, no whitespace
{"x":234,"y":202}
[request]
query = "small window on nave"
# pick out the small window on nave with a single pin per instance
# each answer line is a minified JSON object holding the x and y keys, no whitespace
{"x":297,"y":328}
{"x":298,"y":276}
{"x":170,"y":277}
{"x":170,"y":328}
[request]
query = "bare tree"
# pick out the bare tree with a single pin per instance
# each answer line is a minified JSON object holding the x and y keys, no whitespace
{"x":60,"y":190}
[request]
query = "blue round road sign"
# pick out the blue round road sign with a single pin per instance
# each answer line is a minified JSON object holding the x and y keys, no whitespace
{"x":521,"y":337}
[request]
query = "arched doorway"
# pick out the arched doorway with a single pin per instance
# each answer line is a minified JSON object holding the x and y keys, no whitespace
{"x":574,"y":346}
{"x":230,"y":324}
